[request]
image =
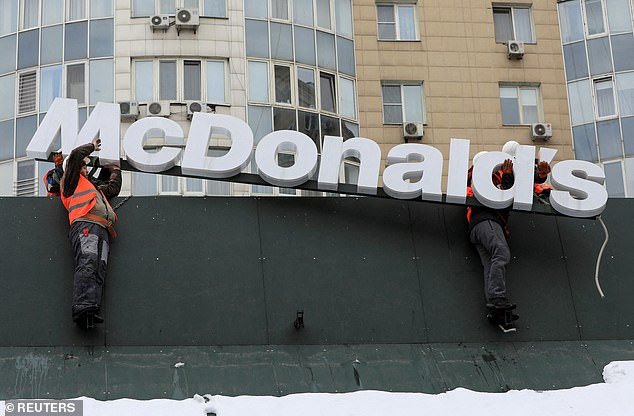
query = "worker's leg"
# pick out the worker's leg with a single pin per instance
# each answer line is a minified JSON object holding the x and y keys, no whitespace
{"x":488,"y":238}
{"x":90,"y":245}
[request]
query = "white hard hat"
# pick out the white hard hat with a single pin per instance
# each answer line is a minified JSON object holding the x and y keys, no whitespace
{"x":510,"y":147}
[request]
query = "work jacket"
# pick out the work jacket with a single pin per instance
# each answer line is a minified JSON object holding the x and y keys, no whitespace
{"x":83,"y":200}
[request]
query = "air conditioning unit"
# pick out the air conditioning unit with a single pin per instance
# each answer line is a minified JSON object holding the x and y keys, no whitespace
{"x":187,"y":19}
{"x":129,"y":109}
{"x":195,"y":107}
{"x":412,"y":130}
{"x":515,"y":49}
{"x":541,"y":131}
{"x":160,"y":22}
{"x":158,"y":108}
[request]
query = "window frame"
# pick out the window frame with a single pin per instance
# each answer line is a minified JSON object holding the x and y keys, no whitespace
{"x":512,"y":9}
{"x":604,"y":15}
{"x":595,"y":97}
{"x":401,"y":85}
{"x":397,"y":35}
{"x":519,"y":88}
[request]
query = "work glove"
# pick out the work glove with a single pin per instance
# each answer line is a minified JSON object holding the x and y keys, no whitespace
{"x":97,"y":143}
{"x":507,"y":167}
{"x":543,"y":169}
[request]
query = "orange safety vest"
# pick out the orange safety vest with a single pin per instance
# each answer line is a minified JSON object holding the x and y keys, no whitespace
{"x":82,"y":201}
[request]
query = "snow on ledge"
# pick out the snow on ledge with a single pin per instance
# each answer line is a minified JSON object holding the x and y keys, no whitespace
{"x":613,"y":398}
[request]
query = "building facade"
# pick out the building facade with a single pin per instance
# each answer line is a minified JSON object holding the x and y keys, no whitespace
{"x":392,"y":71}
{"x":598,"y":51}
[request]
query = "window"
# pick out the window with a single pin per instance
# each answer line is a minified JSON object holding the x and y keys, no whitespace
{"x":625,"y":91}
{"x":8,"y":16}
{"x":402,"y":102}
{"x":323,"y":14}
{"x":614,"y":179}
{"x":100,"y":8}
{"x":76,"y":82}
{"x":191,"y":80}
{"x":306,"y":87}
{"x":604,"y":98}
{"x":520,"y":105}
{"x":595,"y":17}
{"x":258,"y":81}
{"x":26,"y":183}
{"x":27,"y":92}
{"x":52,"y":12}
{"x":30,"y":13}
{"x":50,"y":86}
{"x":396,"y":22}
{"x":179,"y":80}
{"x":279,"y":9}
{"x":512,"y":23}
{"x":619,"y":18}
{"x":303,"y":12}
{"x":101,"y":81}
{"x":76,"y":9}
{"x":570,"y":21}
{"x":7,"y":92}
{"x":282,"y":84}
{"x":347,"y":101}
{"x":327,"y":92}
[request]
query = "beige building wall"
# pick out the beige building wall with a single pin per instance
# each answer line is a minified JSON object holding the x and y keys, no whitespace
{"x":461,"y":66}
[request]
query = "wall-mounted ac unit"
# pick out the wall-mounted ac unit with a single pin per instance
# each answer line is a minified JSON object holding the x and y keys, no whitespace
{"x":195,"y":107}
{"x":515,"y":49}
{"x":412,"y":130}
{"x":541,"y":131}
{"x":158,"y":108}
{"x":187,"y":19}
{"x":129,"y":109}
{"x":160,"y":22}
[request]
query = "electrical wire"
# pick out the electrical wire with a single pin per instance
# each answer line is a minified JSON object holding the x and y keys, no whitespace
{"x":596,"y":272}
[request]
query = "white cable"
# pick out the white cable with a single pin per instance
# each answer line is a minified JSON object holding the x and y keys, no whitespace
{"x":605,"y":243}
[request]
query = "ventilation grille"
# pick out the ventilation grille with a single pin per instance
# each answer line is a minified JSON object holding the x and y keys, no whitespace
{"x":27,"y":92}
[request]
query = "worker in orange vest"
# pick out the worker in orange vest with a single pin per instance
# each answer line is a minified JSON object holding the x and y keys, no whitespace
{"x":91,"y":226}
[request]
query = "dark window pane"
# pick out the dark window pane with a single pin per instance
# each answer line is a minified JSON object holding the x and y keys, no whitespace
{"x":24,"y":130}
{"x":257,"y":38}
{"x":101,"y":38}
{"x":75,"y":83}
{"x":283,"y":119}
{"x":345,"y":55}
{"x":304,"y":45}
{"x":282,"y":84}
{"x":28,"y":48}
{"x":329,"y":127}
{"x":281,"y":42}
{"x":599,"y":56}
{"x":627,"y":123}
{"x":609,"y":139}
{"x":191,"y":80}
{"x":510,"y":111}
{"x":614,"y":179}
{"x":76,"y":42}
{"x":52,"y":44}
{"x":624,"y":59}
{"x":503,"y":25}
{"x":576,"y":61}
{"x":349,"y":130}
{"x":308,"y":123}
{"x":306,"y":87}
{"x":327,"y":92}
{"x":326,"y":50}
{"x":6,"y":140}
{"x":7,"y":46}
{"x":585,"y":142}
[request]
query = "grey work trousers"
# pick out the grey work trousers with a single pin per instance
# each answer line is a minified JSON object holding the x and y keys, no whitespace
{"x":489,"y":239}
{"x":90,"y":244}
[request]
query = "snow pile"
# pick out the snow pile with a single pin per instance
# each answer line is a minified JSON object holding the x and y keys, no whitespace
{"x":614,"y":398}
